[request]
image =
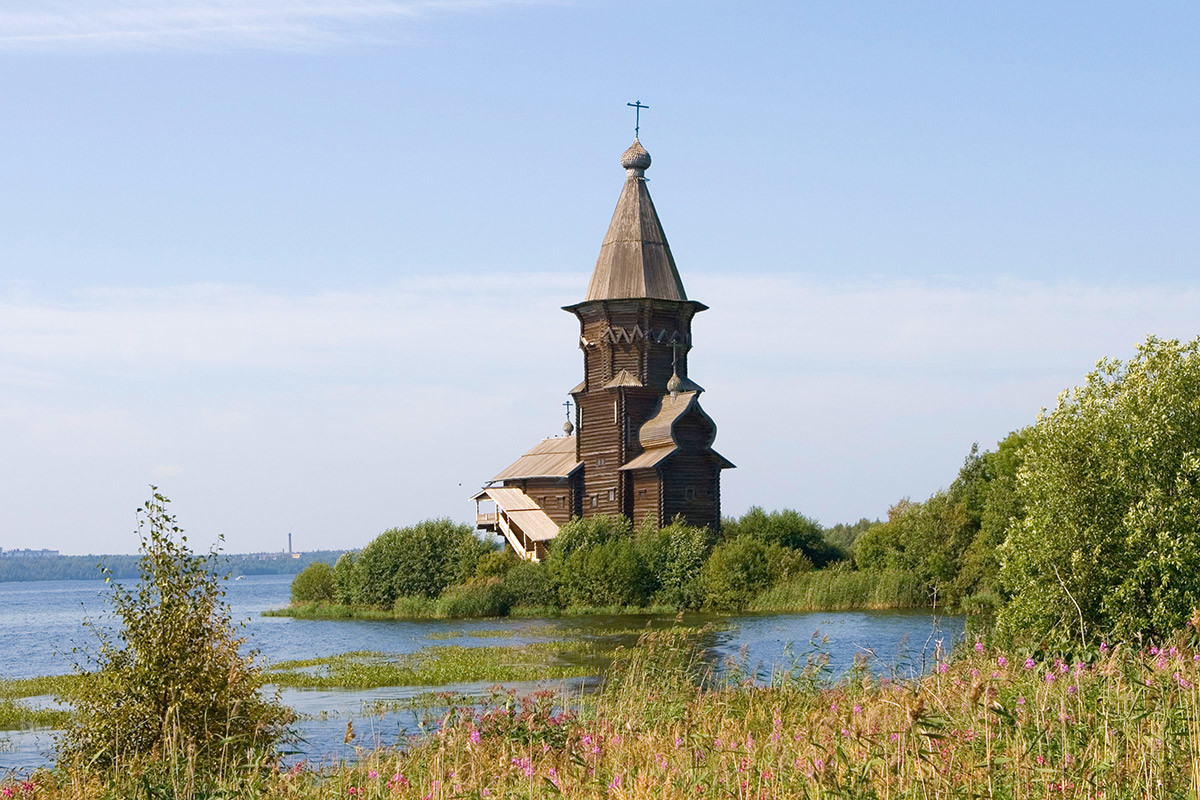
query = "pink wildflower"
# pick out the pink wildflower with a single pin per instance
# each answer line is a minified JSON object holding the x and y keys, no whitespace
{"x":1030,"y":663}
{"x":474,"y":737}
{"x":943,"y":668}
{"x":1020,"y":701}
{"x":372,"y":774}
{"x":1002,"y":661}
{"x":615,"y":783}
{"x":979,"y":647}
{"x":1104,"y":647}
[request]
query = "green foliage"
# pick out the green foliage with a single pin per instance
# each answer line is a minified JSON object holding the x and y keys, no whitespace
{"x":343,"y":578}
{"x":590,"y":532}
{"x":531,"y":585}
{"x":601,"y":561}
{"x":496,"y":564}
{"x":786,"y":528}
{"x":674,"y":557}
{"x":314,"y":584}
{"x":488,"y":597}
{"x":172,"y":685}
{"x":417,"y":561}
{"x":843,"y":536}
{"x":736,"y":571}
{"x":1110,"y":541}
{"x":949,"y":541}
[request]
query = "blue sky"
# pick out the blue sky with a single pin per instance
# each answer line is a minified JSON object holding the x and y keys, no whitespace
{"x":300,"y":263}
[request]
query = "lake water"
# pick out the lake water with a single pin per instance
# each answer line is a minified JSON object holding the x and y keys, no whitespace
{"x":40,"y":623}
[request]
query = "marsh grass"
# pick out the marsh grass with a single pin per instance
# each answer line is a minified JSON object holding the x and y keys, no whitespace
{"x":440,"y":665}
{"x":843,"y":590}
{"x":16,"y":688}
{"x":16,"y":716}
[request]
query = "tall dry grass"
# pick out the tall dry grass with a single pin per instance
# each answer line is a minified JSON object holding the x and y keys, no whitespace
{"x":1122,"y":723}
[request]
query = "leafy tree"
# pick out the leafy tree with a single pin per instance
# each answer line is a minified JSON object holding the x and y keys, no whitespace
{"x":171,"y":686}
{"x":843,"y":536}
{"x":344,"y":578}
{"x":1110,"y":540}
{"x":314,"y":584}
{"x":418,"y":561}
{"x":737,"y":570}
{"x":786,"y":528}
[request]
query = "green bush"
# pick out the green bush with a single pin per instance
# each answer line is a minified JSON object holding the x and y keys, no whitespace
{"x":589,"y":532}
{"x":1110,"y":481}
{"x":496,"y":564}
{"x":171,"y":688}
{"x":314,"y":584}
{"x":736,"y":571}
{"x":417,"y":561}
{"x":674,"y":557}
{"x":485,"y":598}
{"x":344,"y":578}
{"x":786,"y":528}
{"x":531,"y":585}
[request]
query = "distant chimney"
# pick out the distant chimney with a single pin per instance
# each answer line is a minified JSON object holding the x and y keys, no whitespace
{"x":289,"y":543}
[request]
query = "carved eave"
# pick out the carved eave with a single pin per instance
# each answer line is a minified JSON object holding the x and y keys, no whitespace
{"x":623,"y":380}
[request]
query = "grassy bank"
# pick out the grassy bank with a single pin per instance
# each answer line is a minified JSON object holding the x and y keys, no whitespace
{"x":818,"y":590}
{"x":1115,"y":724}
{"x":843,"y":590}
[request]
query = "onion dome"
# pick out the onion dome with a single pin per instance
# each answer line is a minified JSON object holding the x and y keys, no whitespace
{"x":675,"y":384}
{"x":568,"y":428}
{"x":635,"y":159}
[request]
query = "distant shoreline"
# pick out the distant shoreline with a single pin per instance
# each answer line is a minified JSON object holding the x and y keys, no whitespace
{"x":65,"y":568}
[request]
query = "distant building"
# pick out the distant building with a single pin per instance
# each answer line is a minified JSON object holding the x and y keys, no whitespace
{"x":640,"y":444}
{"x":25,"y":553}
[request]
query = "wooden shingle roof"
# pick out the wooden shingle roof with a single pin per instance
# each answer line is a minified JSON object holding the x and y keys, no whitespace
{"x":657,"y":435}
{"x":549,"y":458}
{"x":521,"y":509}
{"x":635,"y":259}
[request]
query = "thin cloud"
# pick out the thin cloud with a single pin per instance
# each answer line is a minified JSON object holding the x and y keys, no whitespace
{"x":103,"y":25}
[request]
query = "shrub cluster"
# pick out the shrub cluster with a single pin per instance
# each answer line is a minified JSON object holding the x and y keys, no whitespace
{"x":437,"y":568}
{"x":171,"y":690}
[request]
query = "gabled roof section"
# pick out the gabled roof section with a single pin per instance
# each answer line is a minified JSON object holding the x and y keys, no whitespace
{"x":657,"y":435}
{"x":635,"y":260}
{"x":549,"y":458}
{"x":625,"y":379}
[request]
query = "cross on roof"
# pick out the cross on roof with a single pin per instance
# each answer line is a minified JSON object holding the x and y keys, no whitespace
{"x":637,"y":116}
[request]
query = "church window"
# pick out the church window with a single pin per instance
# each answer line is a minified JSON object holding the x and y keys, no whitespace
{"x":600,"y":461}
{"x":689,"y":493}
{"x":612,"y":494}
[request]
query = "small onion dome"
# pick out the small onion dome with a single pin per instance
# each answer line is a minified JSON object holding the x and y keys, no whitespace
{"x":675,"y":384}
{"x":568,"y":428}
{"x":636,"y":160}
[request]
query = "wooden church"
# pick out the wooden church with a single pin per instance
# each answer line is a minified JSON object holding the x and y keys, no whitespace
{"x":640,"y":445}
